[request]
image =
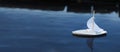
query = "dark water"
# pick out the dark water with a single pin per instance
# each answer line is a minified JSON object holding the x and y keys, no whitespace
{"x":25,"y":30}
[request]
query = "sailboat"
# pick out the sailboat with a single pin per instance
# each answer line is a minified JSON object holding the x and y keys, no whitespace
{"x":92,"y":30}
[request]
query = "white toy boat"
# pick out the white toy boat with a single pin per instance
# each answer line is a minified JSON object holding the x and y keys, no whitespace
{"x":93,"y":29}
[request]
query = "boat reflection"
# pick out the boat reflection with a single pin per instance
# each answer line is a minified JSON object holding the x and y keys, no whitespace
{"x":90,"y":43}
{"x":90,"y":40}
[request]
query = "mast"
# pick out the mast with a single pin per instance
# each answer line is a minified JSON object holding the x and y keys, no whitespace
{"x":93,"y":16}
{"x":93,"y":19}
{"x":93,"y":13}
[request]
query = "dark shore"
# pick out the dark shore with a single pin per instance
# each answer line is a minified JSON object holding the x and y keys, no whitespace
{"x":83,"y":6}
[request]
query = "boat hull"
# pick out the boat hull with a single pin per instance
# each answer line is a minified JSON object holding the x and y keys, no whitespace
{"x":88,"y":32}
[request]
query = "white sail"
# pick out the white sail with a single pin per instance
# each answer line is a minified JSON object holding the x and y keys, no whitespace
{"x":92,"y":25}
{"x":65,"y":9}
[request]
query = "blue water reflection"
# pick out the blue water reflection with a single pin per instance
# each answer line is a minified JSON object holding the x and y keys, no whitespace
{"x":27,"y":30}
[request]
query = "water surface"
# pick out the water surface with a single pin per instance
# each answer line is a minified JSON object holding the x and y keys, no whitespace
{"x":28,"y":30}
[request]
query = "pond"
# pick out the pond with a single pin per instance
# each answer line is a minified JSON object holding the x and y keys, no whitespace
{"x":31,"y":30}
